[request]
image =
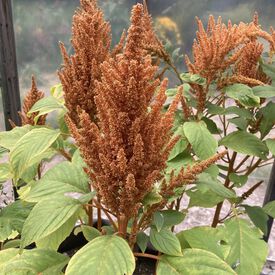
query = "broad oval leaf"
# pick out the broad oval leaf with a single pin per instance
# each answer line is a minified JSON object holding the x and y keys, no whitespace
{"x":195,"y":262}
{"x":48,"y":216}
{"x":181,"y":145}
{"x":195,"y":237}
{"x":248,"y":251}
{"x":238,"y":180}
{"x":63,"y":178}
{"x":31,"y":262}
{"x":142,"y":241}
{"x":172,"y":217}
{"x":89,"y":232}
{"x":203,"y":143}
{"x":8,"y":139}
{"x":269,"y":209}
{"x":12,"y":218}
{"x":215,"y":185}
{"x":46,"y":105}
{"x":270,"y":143}
{"x":105,"y":255}
{"x":257,"y":216}
{"x":203,"y":196}
{"x":5,"y":173}
{"x":158,"y":220}
{"x":165,"y":241}
{"x":264,"y":91}
{"x":29,"y":148}
{"x":268,"y":118}
{"x":245,"y":143}
{"x":243,"y":94}
{"x":54,"y":240}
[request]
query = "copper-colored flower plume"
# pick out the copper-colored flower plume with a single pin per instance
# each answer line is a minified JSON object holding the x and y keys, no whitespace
{"x":211,"y":48}
{"x":228,"y":47}
{"x":91,"y":41}
{"x":30,"y":99}
{"x":127,"y":151}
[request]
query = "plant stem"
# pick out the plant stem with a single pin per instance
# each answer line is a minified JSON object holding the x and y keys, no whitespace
{"x":99,"y":219}
{"x":106,"y":212}
{"x":241,"y":163}
{"x":145,"y":255}
{"x":39,"y":170}
{"x":65,"y":154}
{"x":226,"y":184}
{"x":90,"y":216}
{"x":246,"y":194}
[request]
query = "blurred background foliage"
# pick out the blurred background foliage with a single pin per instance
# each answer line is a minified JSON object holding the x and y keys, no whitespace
{"x":40,"y":24}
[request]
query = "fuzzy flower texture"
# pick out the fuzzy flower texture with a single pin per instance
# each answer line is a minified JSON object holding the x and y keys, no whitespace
{"x":30,"y":99}
{"x":126,"y":138}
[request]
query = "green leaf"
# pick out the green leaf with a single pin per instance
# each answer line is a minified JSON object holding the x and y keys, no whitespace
{"x":270,"y":143}
{"x":172,"y":217}
{"x":158,"y":220}
{"x":248,"y":252}
{"x":8,"y":139}
{"x":109,"y":230}
{"x":243,"y":94}
{"x":217,"y":110}
{"x":12,"y":244}
{"x":77,"y":160}
{"x":264,"y":91}
{"x":31,"y":262}
{"x":242,"y":112}
{"x":57,"y":91}
{"x":203,"y":143}
{"x":215,"y":185}
{"x":151,"y":198}
{"x":238,"y":180}
{"x":48,"y":216}
{"x":142,"y":241}
{"x":214,"y":109}
{"x":89,"y":232}
{"x":195,"y":262}
{"x":269,"y":209}
{"x":46,"y":105}
{"x":181,"y":145}
{"x":257,"y":216}
{"x":193,"y":78}
{"x":165,"y":241}
{"x":196,"y":238}
{"x":29,"y":149}
{"x":245,"y":143}
{"x":106,"y":255}
{"x":182,"y":160}
{"x":211,"y":126}
{"x":12,"y":218}
{"x":240,"y":122}
{"x":5,"y":173}
{"x":171,"y":92}
{"x":268,"y":118}
{"x":63,"y":178}
{"x":54,"y":240}
{"x":203,"y":196}
{"x":268,"y":69}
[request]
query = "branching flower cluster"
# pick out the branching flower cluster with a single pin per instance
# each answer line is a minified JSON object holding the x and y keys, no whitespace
{"x":127,"y":148}
{"x":228,"y":54}
{"x":30,"y":99}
